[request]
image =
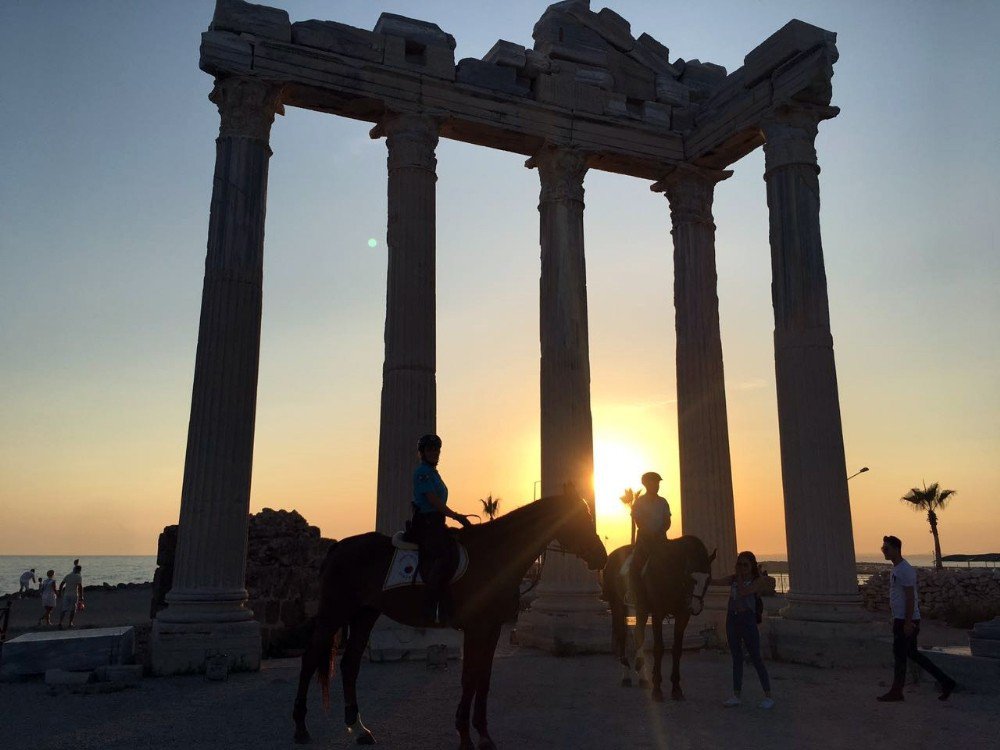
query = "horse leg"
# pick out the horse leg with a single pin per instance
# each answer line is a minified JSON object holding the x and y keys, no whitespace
{"x":619,"y":639}
{"x":680,"y":625}
{"x":319,"y":644}
{"x":483,"y":688}
{"x":360,"y":628}
{"x":472,"y":648}
{"x":657,"y":656}
{"x":638,"y":643}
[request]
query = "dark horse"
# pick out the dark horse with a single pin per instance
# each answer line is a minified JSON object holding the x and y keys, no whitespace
{"x":673,"y":583}
{"x":500,"y":553}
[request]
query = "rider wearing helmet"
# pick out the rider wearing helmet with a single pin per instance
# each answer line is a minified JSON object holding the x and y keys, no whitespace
{"x":438,"y":554}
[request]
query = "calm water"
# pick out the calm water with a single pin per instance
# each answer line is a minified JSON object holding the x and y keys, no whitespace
{"x":111,"y":569}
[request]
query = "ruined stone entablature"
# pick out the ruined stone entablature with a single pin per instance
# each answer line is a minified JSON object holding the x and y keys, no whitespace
{"x":587,"y":83}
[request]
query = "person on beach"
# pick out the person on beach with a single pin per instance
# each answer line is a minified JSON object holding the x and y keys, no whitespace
{"x":48,"y":589}
{"x":651,"y":514}
{"x":27,"y":578}
{"x":71,"y":591}
{"x":746,"y":585}
{"x":905,"y":606}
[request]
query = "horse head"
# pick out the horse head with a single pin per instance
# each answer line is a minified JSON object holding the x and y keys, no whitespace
{"x":576,"y":532}
{"x":698,"y":565}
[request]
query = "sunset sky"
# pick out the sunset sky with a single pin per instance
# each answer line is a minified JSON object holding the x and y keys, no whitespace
{"x":106,"y":160}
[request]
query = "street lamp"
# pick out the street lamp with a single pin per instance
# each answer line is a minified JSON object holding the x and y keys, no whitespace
{"x":862,"y":470}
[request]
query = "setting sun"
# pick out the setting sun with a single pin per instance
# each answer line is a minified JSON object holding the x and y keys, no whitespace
{"x":617,"y":466}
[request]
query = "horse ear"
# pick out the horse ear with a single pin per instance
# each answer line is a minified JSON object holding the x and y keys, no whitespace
{"x":711,"y":558}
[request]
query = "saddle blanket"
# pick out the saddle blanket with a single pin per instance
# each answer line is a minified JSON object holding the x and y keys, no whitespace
{"x":403,"y":568}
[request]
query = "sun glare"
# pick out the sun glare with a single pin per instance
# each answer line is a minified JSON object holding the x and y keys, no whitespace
{"x":617,"y":465}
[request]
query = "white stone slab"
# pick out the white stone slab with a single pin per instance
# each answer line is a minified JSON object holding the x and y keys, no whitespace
{"x":70,"y":650}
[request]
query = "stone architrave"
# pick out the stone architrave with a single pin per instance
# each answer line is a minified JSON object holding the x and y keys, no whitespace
{"x":206,"y":610}
{"x":565,"y":615}
{"x":702,"y":424}
{"x":821,"y":562}
{"x":409,"y":391}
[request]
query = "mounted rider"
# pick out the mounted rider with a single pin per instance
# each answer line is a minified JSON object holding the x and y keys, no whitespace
{"x":438,"y":553}
{"x":651,"y":514}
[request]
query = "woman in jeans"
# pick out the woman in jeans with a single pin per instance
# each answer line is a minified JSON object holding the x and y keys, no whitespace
{"x":745,"y":585}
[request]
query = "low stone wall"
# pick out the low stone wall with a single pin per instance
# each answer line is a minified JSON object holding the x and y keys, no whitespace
{"x":284,"y":554}
{"x":950,"y":594}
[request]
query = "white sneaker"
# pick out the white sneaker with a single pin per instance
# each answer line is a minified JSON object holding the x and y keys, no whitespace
{"x":732,"y":702}
{"x":766,"y":703}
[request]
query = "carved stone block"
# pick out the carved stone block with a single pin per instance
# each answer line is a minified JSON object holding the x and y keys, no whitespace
{"x":490,"y":76}
{"x":432,"y":60}
{"x":259,"y":20}
{"x":791,"y":40}
{"x":507,"y":54}
{"x":339,"y":38}
{"x":669,"y":91}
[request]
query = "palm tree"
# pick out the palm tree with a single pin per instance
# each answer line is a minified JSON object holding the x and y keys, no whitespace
{"x":491,"y":506}
{"x":628,"y":499}
{"x":930,"y":499}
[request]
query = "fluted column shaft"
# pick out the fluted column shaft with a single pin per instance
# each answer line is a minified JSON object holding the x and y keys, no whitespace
{"x":409,"y":391}
{"x":567,"y":440}
{"x":818,"y":529}
{"x":210,"y":566}
{"x":702,"y":423}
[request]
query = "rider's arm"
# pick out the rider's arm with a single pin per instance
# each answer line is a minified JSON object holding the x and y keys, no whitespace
{"x":442,"y":507}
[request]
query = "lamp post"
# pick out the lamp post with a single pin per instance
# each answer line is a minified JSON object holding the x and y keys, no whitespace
{"x":862,"y":470}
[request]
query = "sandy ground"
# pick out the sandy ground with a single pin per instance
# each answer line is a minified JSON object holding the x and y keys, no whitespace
{"x":537,"y":701}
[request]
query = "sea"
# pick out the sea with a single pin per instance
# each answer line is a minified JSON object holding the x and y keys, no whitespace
{"x":112,"y":569}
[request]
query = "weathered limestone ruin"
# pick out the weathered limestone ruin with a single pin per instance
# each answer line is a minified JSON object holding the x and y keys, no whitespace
{"x":587,"y":95}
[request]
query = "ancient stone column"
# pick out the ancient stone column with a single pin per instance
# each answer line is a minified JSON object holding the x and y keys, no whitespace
{"x":563,"y":615}
{"x":206,"y":612}
{"x":822,"y":574}
{"x":702,"y":424}
{"x":409,"y":395}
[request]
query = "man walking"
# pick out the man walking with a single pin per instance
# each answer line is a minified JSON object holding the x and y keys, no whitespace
{"x":906,"y":623}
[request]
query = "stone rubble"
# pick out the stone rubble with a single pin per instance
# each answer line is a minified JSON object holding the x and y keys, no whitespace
{"x":940,"y":591}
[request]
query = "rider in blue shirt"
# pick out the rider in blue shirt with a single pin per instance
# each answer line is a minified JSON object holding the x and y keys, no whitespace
{"x":438,"y":554}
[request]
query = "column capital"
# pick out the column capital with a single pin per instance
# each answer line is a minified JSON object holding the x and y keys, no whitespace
{"x":561,"y":171}
{"x":411,"y":139}
{"x":247,"y":106}
{"x":790,"y":135}
{"x":690,"y":190}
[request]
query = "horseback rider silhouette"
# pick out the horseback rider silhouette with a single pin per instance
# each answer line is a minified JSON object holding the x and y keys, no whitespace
{"x":651,"y":514}
{"x":438,"y":553}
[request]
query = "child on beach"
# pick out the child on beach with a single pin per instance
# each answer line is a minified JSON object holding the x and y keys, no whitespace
{"x":48,"y":589}
{"x":745,"y":586}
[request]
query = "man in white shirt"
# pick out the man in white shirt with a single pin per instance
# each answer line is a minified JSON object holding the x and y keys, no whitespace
{"x":27,"y":578}
{"x":906,"y":623}
{"x":651,"y":514}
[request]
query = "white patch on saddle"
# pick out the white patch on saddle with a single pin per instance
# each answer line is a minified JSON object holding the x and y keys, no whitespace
{"x":399,"y":541}
{"x":403,"y":568}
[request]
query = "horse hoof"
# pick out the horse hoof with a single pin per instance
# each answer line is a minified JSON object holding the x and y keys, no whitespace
{"x":677,"y":694}
{"x":643,"y":682}
{"x":657,"y":695}
{"x":487,"y":744}
{"x":367,"y":738}
{"x":301,"y":737}
{"x":466,"y":744}
{"x":626,"y":682}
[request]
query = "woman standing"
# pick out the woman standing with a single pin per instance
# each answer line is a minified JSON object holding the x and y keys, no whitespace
{"x":745,"y":586}
{"x":48,"y":590}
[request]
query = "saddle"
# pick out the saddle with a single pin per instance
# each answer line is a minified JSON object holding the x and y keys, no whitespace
{"x":404,"y":568}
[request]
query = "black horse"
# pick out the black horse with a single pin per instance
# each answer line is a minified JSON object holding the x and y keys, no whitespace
{"x":674,"y":582}
{"x":500,"y":553}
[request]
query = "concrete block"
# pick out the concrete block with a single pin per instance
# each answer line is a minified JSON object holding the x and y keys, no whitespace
{"x":339,"y":38}
{"x":124,"y":673}
{"x":390,"y":641}
{"x":71,"y":650}
{"x":247,"y":18}
{"x":974,"y":674}
{"x":62,"y":677}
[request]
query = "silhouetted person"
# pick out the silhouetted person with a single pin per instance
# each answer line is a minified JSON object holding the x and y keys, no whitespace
{"x":905,"y":607}
{"x":651,"y":514}
{"x":746,"y":585}
{"x":71,"y":591}
{"x":48,"y":591}
{"x":27,"y":578}
{"x":438,"y":554}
